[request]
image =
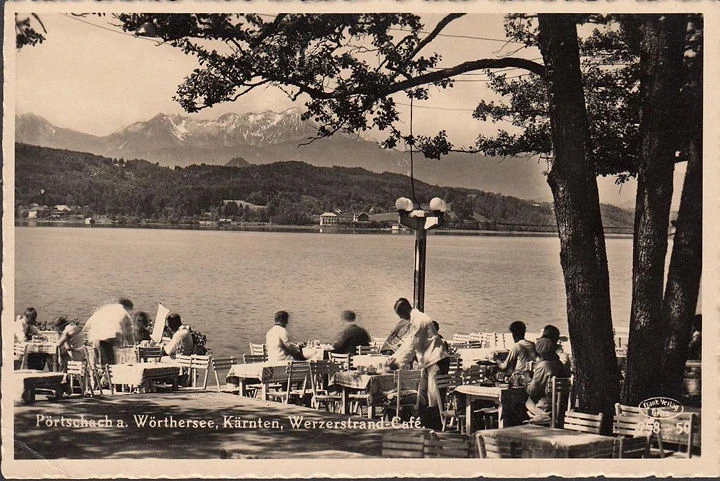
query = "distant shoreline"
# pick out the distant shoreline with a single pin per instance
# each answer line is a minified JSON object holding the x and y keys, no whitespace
{"x":297,"y":228}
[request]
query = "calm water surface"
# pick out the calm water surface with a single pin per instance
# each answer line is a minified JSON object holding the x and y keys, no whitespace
{"x":229,"y":284}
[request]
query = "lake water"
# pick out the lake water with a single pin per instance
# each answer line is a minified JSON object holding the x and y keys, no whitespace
{"x":229,"y":284}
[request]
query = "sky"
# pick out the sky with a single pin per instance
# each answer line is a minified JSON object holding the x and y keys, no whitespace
{"x":90,"y":76}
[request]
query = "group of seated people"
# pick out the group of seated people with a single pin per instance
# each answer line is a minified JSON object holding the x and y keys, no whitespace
{"x":416,"y":340}
{"x":110,"y":326}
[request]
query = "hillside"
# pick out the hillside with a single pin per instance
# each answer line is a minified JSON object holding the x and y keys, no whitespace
{"x":293,"y":192}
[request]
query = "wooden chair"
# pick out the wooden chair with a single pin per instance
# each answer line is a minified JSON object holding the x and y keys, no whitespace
{"x":675,"y":436}
{"x":251,"y":358}
{"x":632,"y":436}
{"x":638,"y":447}
{"x":361,"y":350}
{"x":448,"y":445}
{"x":98,"y":374}
{"x":585,"y":423}
{"x":296,"y":384}
{"x":489,"y":447}
{"x":149,"y":354}
{"x":258,"y":349}
{"x":560,"y":395}
{"x":405,"y":393}
{"x":79,"y":371}
{"x":405,"y":443}
{"x":224,"y":364}
{"x":320,"y":374}
{"x":448,"y":414}
{"x":344,"y":360}
{"x":20,"y":355}
{"x":198,"y":363}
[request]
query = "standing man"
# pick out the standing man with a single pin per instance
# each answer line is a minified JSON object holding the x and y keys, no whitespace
{"x":279,"y":348}
{"x":110,"y":326}
{"x":422,"y":344}
{"x":351,"y":337}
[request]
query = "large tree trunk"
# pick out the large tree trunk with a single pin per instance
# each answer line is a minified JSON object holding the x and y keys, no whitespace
{"x":661,"y":72}
{"x":683,"y":284}
{"x":577,"y":210}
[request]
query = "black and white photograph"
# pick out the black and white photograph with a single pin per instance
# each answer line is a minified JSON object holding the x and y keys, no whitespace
{"x":358,"y":240}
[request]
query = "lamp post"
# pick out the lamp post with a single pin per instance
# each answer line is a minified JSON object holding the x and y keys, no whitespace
{"x":420,"y":221}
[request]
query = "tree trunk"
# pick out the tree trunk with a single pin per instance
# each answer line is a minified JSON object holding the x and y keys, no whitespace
{"x":577,"y":210}
{"x":661,"y":71}
{"x":683,"y":284}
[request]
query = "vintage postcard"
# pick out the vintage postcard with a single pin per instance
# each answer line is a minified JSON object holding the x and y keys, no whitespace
{"x":359,"y":239}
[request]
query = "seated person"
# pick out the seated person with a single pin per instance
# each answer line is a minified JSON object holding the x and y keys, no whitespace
{"x":553,"y":333}
{"x":279,"y":348}
{"x":393,"y":341}
{"x":140,"y":331}
{"x":522,"y":353}
{"x":351,"y":337}
{"x":71,"y":345}
{"x":549,"y":365}
{"x":24,"y":326}
{"x":181,"y":341}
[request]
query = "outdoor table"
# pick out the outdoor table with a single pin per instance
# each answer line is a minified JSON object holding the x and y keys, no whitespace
{"x":470,"y":355}
{"x":265,"y":372}
{"x":29,"y":380}
{"x":142,"y":374}
{"x":502,"y":395}
{"x":535,"y":441}
{"x":375,"y":385}
{"x":376,"y":361}
{"x":47,"y":348}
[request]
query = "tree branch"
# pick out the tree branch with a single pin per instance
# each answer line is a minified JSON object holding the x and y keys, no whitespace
{"x":436,"y":31}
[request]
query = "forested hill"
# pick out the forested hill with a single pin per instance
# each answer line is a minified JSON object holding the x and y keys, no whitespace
{"x":293,"y":192}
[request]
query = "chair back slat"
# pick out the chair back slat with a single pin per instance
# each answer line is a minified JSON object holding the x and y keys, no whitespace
{"x":637,"y":447}
{"x":258,"y":349}
{"x":362,"y":350}
{"x":252,"y":358}
{"x":345,"y":360}
{"x":150,"y":353}
{"x":559,"y":391}
{"x":490,"y":447}
{"x":448,"y":445}
{"x":586,"y":423}
{"x":406,"y":443}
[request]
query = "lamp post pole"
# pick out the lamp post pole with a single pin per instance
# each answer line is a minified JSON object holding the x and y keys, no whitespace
{"x":420,"y":221}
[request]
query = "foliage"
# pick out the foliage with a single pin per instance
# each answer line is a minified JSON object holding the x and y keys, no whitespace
{"x":26,"y":33}
{"x":348,"y":65}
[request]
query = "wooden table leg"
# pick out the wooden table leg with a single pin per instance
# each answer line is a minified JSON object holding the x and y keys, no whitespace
{"x":468,"y":414}
{"x":264,"y":391}
{"x":344,"y":408}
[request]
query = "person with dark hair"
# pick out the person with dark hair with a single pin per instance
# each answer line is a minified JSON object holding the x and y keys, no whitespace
{"x":110,"y":326}
{"x":279,"y":348}
{"x":351,"y":337}
{"x":553,"y":334}
{"x":71,"y":345}
{"x":549,"y":365}
{"x":402,"y":308}
{"x":25,"y":327}
{"x":423,"y":345}
{"x":141,"y":321}
{"x":181,"y":341}
{"x":521,"y":354}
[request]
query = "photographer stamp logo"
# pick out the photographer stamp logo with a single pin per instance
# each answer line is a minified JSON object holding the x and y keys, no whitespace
{"x":661,"y":407}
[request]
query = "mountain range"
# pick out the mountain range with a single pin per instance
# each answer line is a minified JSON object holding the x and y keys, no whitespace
{"x":267,"y":137}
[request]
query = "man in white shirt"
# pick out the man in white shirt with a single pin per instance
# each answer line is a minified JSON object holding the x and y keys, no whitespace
{"x":181,"y":341}
{"x":108,"y":327}
{"x":276,"y":341}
